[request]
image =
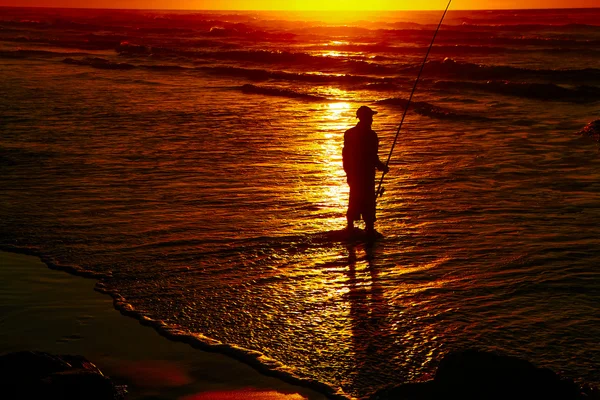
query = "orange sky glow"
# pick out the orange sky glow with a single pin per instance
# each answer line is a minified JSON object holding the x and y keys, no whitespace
{"x":350,"y":5}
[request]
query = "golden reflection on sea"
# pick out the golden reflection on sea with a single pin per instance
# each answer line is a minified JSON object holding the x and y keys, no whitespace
{"x":329,"y":126}
{"x":334,"y":54}
{"x":359,"y":302}
{"x":347,"y":287}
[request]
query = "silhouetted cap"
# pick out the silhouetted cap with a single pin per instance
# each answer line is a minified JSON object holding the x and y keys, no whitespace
{"x":364,"y":111}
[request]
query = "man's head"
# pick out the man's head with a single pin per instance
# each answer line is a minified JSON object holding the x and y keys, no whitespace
{"x":365,"y":114}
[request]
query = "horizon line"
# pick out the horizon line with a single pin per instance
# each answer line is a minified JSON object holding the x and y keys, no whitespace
{"x":288,"y":10}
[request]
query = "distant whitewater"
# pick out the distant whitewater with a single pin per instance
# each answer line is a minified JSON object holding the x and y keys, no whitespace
{"x":191,"y":161}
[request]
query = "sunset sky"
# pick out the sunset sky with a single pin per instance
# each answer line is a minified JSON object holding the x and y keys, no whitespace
{"x":304,"y":5}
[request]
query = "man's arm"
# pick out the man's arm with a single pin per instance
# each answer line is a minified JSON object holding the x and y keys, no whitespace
{"x":382,"y":167}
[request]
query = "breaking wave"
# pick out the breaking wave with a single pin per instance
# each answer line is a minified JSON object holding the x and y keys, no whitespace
{"x":97,"y":62}
{"x":458,"y":69}
{"x":293,"y":59}
{"x":433,"y":111}
{"x":20,"y":53}
{"x":444,"y":50}
{"x":255,"y":74}
{"x":540,"y":91}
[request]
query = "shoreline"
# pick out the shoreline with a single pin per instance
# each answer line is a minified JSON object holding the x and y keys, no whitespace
{"x":49,"y":310}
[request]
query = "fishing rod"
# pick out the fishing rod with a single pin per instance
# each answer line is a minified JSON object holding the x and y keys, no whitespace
{"x":379,"y":191}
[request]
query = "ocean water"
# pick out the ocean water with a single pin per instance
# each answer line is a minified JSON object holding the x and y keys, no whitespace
{"x":191,"y":161}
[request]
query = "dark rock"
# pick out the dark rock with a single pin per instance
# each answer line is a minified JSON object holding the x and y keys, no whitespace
{"x":476,"y":374}
{"x":479,"y":375}
{"x":592,"y":130}
{"x":32,"y":374}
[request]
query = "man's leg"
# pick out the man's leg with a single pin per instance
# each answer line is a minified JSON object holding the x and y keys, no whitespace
{"x":353,"y":213}
{"x":369,"y":210}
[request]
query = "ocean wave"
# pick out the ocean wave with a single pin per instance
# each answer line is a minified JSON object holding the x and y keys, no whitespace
{"x":255,"y":74}
{"x":386,"y":48}
{"x":265,"y":57}
{"x":530,"y":41}
{"x":392,"y":52}
{"x":502,"y":36}
{"x":263,"y":75}
{"x":90,"y":41}
{"x":128,"y":48}
{"x":36,"y":54}
{"x":458,"y":69}
{"x":54,"y":23}
{"x":100,"y":63}
{"x":249,"y":34}
{"x":483,"y":49}
{"x":498,"y":36}
{"x":543,"y":91}
{"x":433,"y":111}
{"x":550,"y":20}
{"x":269,"y":91}
{"x":496,"y":81}
{"x":510,"y":26}
{"x":165,"y":67}
{"x":548,"y":27}
{"x":384,"y":85}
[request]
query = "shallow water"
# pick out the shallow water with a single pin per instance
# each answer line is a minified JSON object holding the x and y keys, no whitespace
{"x":50,"y":311}
{"x":207,"y":206}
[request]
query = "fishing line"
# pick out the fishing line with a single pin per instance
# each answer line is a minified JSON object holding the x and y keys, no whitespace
{"x":379,"y":191}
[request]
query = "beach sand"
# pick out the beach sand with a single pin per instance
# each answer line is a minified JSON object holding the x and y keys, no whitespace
{"x":52,"y":311}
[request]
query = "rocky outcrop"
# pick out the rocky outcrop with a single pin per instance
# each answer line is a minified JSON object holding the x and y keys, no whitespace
{"x":464,"y":375}
{"x":592,"y":130}
{"x":38,"y":375}
{"x":478,"y":375}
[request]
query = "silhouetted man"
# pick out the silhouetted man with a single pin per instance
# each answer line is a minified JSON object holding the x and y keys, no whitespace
{"x":360,"y":162}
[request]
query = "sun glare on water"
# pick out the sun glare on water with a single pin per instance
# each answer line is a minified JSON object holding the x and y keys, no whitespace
{"x":336,"y":109}
{"x":333,"y":54}
{"x":329,"y":127}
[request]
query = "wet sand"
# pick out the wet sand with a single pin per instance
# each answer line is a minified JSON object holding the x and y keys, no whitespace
{"x":47,"y":310}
